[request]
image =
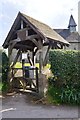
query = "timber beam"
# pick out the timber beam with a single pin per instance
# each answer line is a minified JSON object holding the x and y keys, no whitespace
{"x":21,"y":46}
{"x":33,"y":27}
{"x":16,"y":58}
{"x":33,"y":36}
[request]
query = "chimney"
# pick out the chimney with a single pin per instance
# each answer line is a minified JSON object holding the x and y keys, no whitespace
{"x":79,"y":17}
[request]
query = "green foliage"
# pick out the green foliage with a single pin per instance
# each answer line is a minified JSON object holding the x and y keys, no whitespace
{"x":0,"y":60}
{"x":70,"y":95}
{"x":5,"y":67}
{"x":0,"y":56}
{"x":0,"y":86}
{"x":54,"y":94}
{"x":5,"y":87}
{"x":65,"y":66}
{"x":0,"y":67}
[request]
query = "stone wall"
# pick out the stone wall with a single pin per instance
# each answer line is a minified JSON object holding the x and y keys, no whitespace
{"x":73,"y":46}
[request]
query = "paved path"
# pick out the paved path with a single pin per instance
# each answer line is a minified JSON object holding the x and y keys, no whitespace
{"x":21,"y":106}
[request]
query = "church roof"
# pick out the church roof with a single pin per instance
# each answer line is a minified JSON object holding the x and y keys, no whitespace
{"x":69,"y":36}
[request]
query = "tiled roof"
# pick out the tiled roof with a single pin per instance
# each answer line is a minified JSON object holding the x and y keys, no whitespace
{"x":45,"y":30}
{"x":63,"y":32}
{"x":69,"y":36}
{"x":41,"y":28}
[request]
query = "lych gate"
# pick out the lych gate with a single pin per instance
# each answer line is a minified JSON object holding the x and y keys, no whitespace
{"x":30,"y":36}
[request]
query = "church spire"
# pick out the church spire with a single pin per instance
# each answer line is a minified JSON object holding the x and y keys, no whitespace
{"x":72,"y":24}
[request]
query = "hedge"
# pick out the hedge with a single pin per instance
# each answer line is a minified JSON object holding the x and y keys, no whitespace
{"x":5,"y":69}
{"x":65,"y":66}
{"x":0,"y":60}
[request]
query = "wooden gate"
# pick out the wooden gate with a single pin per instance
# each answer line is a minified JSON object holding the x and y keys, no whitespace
{"x":26,"y":78}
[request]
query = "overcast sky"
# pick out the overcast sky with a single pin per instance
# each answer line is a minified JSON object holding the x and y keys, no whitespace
{"x":55,"y":13}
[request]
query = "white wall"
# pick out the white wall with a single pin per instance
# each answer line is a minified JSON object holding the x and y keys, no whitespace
{"x":79,"y":17}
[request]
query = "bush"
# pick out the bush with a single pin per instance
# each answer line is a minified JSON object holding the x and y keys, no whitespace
{"x":54,"y":95}
{"x":5,"y":87}
{"x":65,"y":66}
{"x":5,"y":67}
{"x":0,"y":61}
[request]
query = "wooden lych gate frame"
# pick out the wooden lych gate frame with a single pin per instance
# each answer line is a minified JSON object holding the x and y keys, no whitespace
{"x":28,"y":34}
{"x":28,"y":83}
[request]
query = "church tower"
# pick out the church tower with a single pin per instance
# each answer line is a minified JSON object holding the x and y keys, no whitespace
{"x":72,"y":24}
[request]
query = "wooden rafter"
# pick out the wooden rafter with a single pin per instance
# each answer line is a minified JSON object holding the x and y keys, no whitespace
{"x":16,"y":58}
{"x":33,"y":36}
{"x":15,"y":40}
{"x":35,"y":42}
{"x":12,"y":46}
{"x":33,"y":27}
{"x":15,"y":43}
{"x":21,"y":46}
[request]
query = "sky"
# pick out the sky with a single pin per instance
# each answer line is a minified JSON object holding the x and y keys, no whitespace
{"x":55,"y":13}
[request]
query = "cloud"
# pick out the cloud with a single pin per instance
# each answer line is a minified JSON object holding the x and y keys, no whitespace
{"x":49,"y":10}
{"x":55,"y":13}
{"x":14,"y":2}
{"x":1,"y":16}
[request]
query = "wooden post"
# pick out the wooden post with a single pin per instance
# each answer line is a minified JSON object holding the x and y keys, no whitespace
{"x":9,"y":56}
{"x":16,"y":58}
{"x":20,"y":58}
{"x":61,"y":46}
{"x":41,"y":76}
{"x":33,"y":57}
{"x":40,"y":56}
{"x":40,"y":61}
{"x":46,"y":56}
{"x":37,"y":85}
{"x":42,"y":84}
{"x":21,"y":24}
